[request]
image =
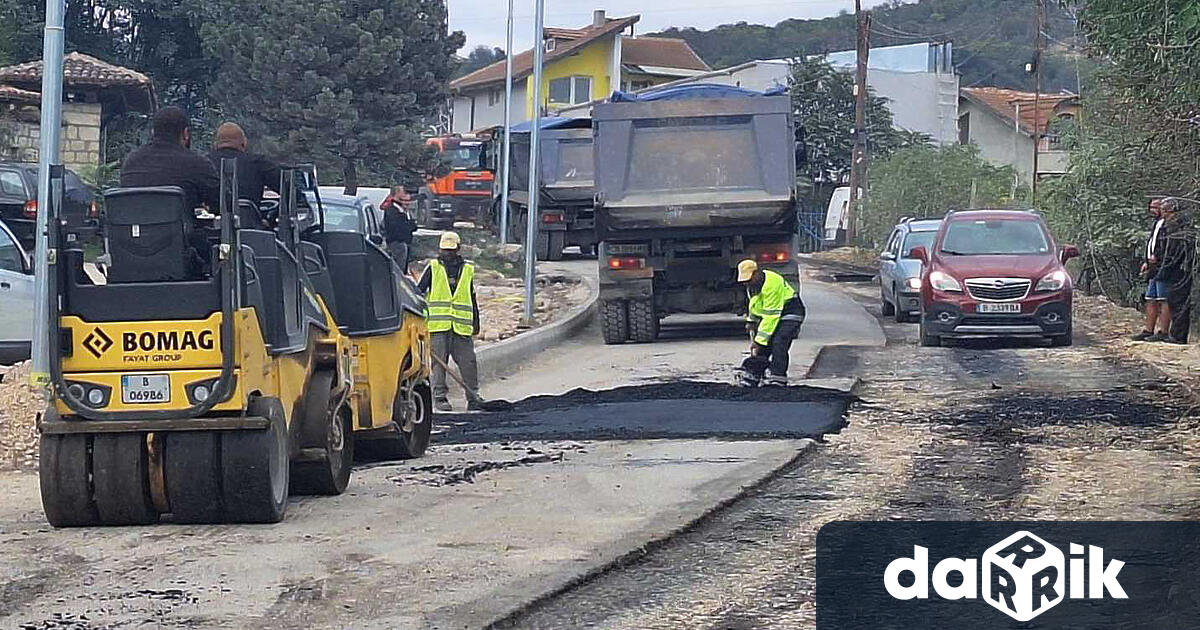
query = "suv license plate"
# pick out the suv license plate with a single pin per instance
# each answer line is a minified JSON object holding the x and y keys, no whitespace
{"x":139,"y":389}
{"x":998,"y":308}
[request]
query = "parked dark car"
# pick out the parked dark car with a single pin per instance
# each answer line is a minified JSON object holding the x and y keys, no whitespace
{"x":18,"y":202}
{"x":995,"y":273}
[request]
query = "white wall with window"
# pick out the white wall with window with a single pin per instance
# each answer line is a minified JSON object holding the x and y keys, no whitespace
{"x":485,"y":108}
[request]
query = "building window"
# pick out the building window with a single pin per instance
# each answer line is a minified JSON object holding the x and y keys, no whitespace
{"x":570,"y":90}
{"x":964,"y":128}
{"x":494,"y":97}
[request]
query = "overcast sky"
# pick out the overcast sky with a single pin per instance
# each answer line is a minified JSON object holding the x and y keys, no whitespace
{"x":483,"y":21}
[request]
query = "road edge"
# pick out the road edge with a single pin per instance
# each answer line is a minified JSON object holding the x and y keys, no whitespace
{"x":504,"y":357}
{"x":636,"y":551}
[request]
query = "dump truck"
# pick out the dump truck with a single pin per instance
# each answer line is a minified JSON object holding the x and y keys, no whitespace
{"x":565,"y":187}
{"x":689,"y":181}
{"x":462,"y":194}
{"x":207,"y":388}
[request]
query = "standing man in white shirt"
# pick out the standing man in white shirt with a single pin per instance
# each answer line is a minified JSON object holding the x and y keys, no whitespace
{"x":1157,"y":310}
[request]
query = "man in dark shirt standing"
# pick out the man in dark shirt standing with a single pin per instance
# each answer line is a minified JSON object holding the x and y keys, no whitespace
{"x":254,"y":172}
{"x":167,"y":160}
{"x":398,"y":226}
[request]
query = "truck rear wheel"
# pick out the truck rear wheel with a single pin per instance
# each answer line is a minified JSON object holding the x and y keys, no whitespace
{"x":254,"y":467}
{"x":643,"y":321}
{"x":614,"y":322}
{"x":64,"y":470}
{"x":121,"y":479}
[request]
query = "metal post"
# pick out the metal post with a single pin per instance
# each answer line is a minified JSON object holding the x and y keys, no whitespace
{"x":504,"y":164}
{"x":858,"y":155}
{"x":1038,"y":45}
{"x":532,"y":216}
{"x":52,"y":97}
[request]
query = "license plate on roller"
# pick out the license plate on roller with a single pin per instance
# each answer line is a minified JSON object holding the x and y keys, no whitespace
{"x":145,"y":389}
{"x":998,"y":308}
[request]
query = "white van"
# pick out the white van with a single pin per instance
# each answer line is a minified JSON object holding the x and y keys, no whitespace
{"x":835,"y":216}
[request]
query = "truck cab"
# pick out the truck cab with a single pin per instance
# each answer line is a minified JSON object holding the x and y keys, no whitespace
{"x":464,"y":193}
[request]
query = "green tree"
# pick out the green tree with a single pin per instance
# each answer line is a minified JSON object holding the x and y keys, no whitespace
{"x":479,"y":57}
{"x":823,"y":99}
{"x":925,"y":181}
{"x":347,"y":84}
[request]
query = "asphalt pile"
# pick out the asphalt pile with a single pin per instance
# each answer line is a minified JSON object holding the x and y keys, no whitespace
{"x":19,"y":406}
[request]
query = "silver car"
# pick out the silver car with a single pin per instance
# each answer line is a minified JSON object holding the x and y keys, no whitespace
{"x":900,"y":277}
{"x":16,"y":299}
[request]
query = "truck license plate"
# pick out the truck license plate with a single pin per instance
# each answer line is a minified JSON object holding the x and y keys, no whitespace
{"x":998,"y":308}
{"x":145,"y":388}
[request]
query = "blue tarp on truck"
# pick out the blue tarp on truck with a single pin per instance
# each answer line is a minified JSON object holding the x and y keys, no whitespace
{"x":692,"y":92}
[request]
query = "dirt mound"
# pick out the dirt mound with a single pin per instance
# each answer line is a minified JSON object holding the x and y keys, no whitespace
{"x":19,"y":406}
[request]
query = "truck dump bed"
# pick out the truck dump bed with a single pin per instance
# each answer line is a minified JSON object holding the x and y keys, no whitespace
{"x":565,"y":161}
{"x":714,"y":164}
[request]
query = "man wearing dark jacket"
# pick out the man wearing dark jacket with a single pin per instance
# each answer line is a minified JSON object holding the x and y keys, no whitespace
{"x":254,"y":172}
{"x":398,"y":226}
{"x":1175,"y":272}
{"x":167,"y":160}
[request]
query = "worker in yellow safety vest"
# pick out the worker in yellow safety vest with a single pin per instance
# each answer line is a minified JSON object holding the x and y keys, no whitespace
{"x":773,"y":321}
{"x":453,"y":318}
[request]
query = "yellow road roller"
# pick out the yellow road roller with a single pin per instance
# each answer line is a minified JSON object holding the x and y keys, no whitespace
{"x":216,"y":367}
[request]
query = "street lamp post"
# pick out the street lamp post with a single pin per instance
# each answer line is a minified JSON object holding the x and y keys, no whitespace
{"x":504,"y":164}
{"x":531,"y":216}
{"x":52,"y":84}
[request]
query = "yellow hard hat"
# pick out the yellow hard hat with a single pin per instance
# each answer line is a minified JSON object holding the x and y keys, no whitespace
{"x":449,"y":240}
{"x":746,"y":270}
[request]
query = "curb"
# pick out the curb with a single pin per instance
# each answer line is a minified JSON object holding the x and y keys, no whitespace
{"x":504,"y":357}
{"x":504,"y":621}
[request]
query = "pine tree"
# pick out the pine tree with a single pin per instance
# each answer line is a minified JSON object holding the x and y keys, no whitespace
{"x":347,"y":84}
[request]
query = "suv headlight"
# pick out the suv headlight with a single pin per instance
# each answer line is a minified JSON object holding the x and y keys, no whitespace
{"x":913,"y":283}
{"x":1053,"y":281}
{"x":944,"y":282}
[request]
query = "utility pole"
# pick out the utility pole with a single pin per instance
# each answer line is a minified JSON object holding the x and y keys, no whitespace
{"x":1039,"y":44}
{"x":51,"y":125}
{"x":532,"y":216}
{"x":858,"y":163}
{"x":504,"y":164}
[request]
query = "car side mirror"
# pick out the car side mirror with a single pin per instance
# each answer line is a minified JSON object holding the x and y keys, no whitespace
{"x":375,"y":238}
{"x":1068,"y":252}
{"x":918,"y":253}
{"x":887,"y":256}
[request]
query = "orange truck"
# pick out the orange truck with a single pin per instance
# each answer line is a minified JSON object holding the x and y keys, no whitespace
{"x":463,"y":194}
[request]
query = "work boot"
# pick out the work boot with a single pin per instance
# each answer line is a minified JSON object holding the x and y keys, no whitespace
{"x":442,"y":404}
{"x":745,"y":378}
{"x":778,"y":381}
{"x":474,"y":403}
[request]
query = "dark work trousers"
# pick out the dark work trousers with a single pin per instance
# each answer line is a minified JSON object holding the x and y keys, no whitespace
{"x":447,"y":345}
{"x":775,"y":355}
{"x":399,"y":253}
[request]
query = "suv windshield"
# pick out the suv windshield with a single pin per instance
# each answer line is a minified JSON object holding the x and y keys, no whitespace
{"x":917,"y":239}
{"x":995,"y":237}
{"x":342,"y":218}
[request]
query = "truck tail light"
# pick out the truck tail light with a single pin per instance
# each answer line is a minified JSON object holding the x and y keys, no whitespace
{"x":30,"y":209}
{"x":626,"y":263}
{"x":552,"y":217}
{"x":774,"y":256}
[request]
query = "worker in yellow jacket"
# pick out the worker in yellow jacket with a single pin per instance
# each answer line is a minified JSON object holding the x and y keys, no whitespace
{"x":453,"y":318}
{"x":773,"y":321}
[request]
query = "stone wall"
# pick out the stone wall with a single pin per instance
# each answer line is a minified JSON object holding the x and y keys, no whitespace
{"x":79,"y":145}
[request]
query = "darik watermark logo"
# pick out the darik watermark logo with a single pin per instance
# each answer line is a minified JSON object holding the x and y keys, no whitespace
{"x":1022,"y":576}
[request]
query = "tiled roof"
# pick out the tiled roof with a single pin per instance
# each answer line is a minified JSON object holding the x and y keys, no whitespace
{"x":78,"y":70}
{"x":660,"y":51}
{"x":10,"y":94}
{"x":1003,"y":102}
{"x":523,"y":62}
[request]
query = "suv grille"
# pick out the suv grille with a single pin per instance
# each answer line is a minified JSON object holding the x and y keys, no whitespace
{"x":998,"y":289}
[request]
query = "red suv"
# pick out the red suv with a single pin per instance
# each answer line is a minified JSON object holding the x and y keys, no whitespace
{"x":994,"y":273}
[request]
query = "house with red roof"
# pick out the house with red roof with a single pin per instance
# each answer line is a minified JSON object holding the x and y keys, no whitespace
{"x":1007,"y":124}
{"x":580,"y":65}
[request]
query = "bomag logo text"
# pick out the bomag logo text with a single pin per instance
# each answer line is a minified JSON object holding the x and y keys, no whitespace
{"x":167,"y":341}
